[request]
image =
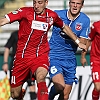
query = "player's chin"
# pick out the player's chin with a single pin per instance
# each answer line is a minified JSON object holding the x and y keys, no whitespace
{"x":75,"y":13}
{"x":38,"y":12}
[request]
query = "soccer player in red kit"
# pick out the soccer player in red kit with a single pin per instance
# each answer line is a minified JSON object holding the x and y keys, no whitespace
{"x":32,"y":47}
{"x":94,"y":37}
{"x":94,"y":41}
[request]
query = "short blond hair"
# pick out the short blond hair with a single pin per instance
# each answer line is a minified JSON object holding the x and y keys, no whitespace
{"x":82,"y":1}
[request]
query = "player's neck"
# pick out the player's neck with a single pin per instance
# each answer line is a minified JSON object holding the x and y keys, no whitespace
{"x":72,"y":16}
{"x":43,"y":12}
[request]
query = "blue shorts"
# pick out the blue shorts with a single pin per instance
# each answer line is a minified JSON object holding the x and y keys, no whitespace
{"x":67,"y":67}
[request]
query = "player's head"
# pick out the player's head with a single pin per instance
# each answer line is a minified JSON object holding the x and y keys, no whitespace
{"x":40,"y":5}
{"x":75,"y":6}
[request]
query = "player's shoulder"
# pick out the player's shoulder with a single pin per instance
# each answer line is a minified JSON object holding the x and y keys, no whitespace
{"x":56,"y":11}
{"x":25,"y":8}
{"x":84,"y":18}
{"x":83,"y":15}
{"x":96,"y":26}
{"x":96,"y":23}
{"x":61,"y":12}
{"x":51,"y":12}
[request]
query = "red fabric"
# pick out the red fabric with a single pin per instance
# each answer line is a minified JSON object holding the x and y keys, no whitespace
{"x":37,"y":43}
{"x":95,"y":95}
{"x":95,"y":67}
{"x":42,"y":91}
{"x":95,"y":37}
{"x":22,"y":67}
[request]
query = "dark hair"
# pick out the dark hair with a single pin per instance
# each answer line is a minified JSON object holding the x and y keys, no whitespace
{"x":82,"y":2}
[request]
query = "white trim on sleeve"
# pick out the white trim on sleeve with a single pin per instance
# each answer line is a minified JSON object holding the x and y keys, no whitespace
{"x":89,"y":38}
{"x":7,"y":17}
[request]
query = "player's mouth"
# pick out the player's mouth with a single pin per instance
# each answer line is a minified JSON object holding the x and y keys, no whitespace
{"x":37,"y":11}
{"x":74,"y":10}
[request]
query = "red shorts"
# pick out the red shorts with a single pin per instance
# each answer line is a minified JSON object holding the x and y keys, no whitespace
{"x":23,"y":66}
{"x":95,"y":68}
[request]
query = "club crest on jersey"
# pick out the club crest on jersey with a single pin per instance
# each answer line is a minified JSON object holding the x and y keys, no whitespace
{"x":50,"y":20}
{"x":78,"y":26}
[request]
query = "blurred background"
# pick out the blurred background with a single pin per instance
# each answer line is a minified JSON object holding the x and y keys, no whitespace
{"x":91,"y":8}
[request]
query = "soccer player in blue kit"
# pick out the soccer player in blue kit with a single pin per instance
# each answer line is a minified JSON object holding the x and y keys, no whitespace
{"x":62,"y":49}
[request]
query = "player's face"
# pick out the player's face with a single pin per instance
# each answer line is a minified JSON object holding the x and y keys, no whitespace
{"x":75,"y":7}
{"x":40,"y":5}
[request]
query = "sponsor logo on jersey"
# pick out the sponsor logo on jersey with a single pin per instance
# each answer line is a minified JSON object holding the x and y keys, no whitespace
{"x":14,"y":12}
{"x":39,"y":25}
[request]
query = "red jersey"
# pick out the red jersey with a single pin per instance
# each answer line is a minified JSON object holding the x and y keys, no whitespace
{"x":33,"y":28}
{"x":95,"y":37}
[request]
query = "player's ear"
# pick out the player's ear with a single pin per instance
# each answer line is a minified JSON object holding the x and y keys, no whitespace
{"x":46,"y":2}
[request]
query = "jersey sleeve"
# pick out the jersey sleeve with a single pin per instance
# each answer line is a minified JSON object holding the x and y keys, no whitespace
{"x":16,"y":15}
{"x":86,"y":28}
{"x":92,"y":32}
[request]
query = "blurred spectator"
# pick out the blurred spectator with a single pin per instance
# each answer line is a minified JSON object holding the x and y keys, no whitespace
{"x":12,"y":42}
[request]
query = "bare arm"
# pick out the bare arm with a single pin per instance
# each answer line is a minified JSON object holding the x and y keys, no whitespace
{"x":6,"y":55}
{"x":69,"y":32}
{"x":83,"y":53}
{"x":3,"y":21}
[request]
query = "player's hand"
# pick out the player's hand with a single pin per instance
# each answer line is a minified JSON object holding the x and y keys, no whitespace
{"x":84,"y":61}
{"x":5,"y":67}
{"x":82,"y":46}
